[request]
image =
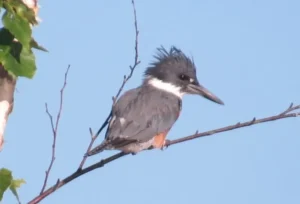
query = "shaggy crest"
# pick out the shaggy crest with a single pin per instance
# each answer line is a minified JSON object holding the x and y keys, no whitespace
{"x":174,"y":54}
{"x":170,"y":59}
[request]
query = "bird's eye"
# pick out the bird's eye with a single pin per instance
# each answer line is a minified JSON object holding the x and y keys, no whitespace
{"x":184,"y":77}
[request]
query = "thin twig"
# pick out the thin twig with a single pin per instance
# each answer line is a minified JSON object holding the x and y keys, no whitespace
{"x":125,"y":80}
{"x":75,"y":175}
{"x":287,"y":114}
{"x":81,"y":171}
{"x":136,"y":55}
{"x":54,"y":129}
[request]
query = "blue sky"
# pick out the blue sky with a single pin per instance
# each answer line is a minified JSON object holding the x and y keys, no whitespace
{"x":246,"y":52}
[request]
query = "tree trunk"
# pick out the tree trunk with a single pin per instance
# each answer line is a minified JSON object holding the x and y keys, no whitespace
{"x":7,"y":89}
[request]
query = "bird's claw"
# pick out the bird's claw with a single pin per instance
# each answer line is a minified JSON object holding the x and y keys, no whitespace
{"x":165,"y":145}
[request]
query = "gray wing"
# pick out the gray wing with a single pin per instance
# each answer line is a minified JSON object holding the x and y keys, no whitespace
{"x":138,"y":116}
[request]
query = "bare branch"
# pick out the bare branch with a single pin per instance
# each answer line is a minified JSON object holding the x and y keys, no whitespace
{"x":75,"y":175}
{"x":125,"y":80}
{"x":54,"y":129}
{"x":286,"y":114}
{"x":7,"y":89}
{"x":93,"y":138}
{"x":136,"y":56}
{"x":81,"y":171}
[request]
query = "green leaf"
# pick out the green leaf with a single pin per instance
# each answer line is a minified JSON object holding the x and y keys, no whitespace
{"x":18,"y":26}
{"x":21,"y":9}
{"x":20,"y":61}
{"x":16,"y":183}
{"x":8,"y":6}
{"x":6,"y":37}
{"x":5,"y":181}
{"x":35,"y":45}
{"x":25,"y":12}
{"x":4,"y":49}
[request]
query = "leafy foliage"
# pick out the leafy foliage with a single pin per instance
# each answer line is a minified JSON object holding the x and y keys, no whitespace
{"x":16,"y":41}
{"x":7,"y":181}
{"x":16,"y":56}
{"x":18,"y":26}
{"x":16,"y":183}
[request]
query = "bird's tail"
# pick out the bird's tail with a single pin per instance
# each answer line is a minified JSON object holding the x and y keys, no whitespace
{"x":97,"y":149}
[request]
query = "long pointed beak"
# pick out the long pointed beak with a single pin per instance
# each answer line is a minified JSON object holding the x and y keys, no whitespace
{"x":202,"y":91}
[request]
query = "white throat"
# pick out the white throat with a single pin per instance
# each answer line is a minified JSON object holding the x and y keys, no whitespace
{"x":166,"y":86}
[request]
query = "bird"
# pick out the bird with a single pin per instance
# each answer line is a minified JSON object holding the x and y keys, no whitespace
{"x":142,"y":117}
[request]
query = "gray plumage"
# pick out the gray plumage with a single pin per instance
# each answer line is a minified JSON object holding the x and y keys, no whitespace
{"x":138,"y":116}
{"x":153,"y":108}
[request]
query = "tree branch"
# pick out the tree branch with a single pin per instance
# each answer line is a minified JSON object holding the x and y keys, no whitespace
{"x":75,"y":175}
{"x":54,"y":129}
{"x":81,"y":171}
{"x":125,"y":80}
{"x":7,"y":90}
{"x":285,"y":114}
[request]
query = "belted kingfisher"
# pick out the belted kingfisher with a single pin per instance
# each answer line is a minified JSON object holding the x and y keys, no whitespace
{"x":142,"y":117}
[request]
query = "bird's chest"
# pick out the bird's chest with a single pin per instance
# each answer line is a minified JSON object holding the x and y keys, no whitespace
{"x":171,"y":106}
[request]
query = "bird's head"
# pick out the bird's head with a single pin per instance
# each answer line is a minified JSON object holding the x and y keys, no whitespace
{"x":174,"y":72}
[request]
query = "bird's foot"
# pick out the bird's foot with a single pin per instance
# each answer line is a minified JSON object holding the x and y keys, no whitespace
{"x":150,"y":148}
{"x":165,"y":144}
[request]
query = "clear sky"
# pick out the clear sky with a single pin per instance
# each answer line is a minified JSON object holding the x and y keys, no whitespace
{"x":246,"y":52}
